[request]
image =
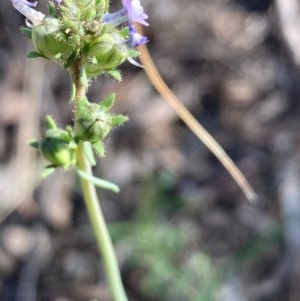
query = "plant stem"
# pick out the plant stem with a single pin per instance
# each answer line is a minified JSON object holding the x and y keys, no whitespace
{"x":100,"y":229}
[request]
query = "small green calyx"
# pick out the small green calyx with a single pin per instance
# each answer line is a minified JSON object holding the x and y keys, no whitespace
{"x":50,"y":42}
{"x":105,"y":53}
{"x":58,"y":151}
{"x":57,"y":146}
{"x":93,"y":122}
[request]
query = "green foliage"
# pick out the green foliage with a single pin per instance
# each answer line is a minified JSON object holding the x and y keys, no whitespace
{"x":98,"y":182}
{"x":257,"y":247}
{"x":172,"y":272}
{"x":165,"y":252}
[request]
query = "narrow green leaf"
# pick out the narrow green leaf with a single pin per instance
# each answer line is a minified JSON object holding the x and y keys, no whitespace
{"x":48,"y":170}
{"x":124,"y":32}
{"x":51,"y":124}
{"x":108,"y":101}
{"x":33,"y":55}
{"x":51,"y":9}
{"x":35,"y":143}
{"x":98,"y":147}
{"x":118,"y":120}
{"x":27,"y":32}
{"x":115,"y":74}
{"x":98,"y":182}
{"x":134,"y":53}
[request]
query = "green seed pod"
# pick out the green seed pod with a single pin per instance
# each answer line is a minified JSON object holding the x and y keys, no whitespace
{"x":106,"y":53}
{"x":57,"y":148}
{"x":50,"y":41}
{"x":92,"y":123}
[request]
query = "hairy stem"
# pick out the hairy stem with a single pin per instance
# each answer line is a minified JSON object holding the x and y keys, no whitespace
{"x":91,"y":199}
{"x":100,"y":229}
{"x":79,"y":82}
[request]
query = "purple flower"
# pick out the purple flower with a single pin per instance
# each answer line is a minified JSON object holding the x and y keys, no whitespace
{"x":131,"y":12}
{"x":25,"y":8}
{"x":23,"y":2}
{"x":135,"y":11}
{"x":135,"y":39}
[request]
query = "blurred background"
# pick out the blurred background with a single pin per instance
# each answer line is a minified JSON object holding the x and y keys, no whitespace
{"x":181,"y":227}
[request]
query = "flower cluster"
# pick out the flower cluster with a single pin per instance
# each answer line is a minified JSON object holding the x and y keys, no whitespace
{"x":87,"y":40}
{"x":74,"y":28}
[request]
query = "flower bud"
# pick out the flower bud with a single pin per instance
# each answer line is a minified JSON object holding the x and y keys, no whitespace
{"x":50,"y":41}
{"x":106,"y":53}
{"x":92,"y":123}
{"x":58,"y":149}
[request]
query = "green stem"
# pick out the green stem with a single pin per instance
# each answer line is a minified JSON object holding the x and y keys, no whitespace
{"x":100,"y":229}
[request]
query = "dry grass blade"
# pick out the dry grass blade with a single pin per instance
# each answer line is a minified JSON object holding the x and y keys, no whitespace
{"x":192,"y":123}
